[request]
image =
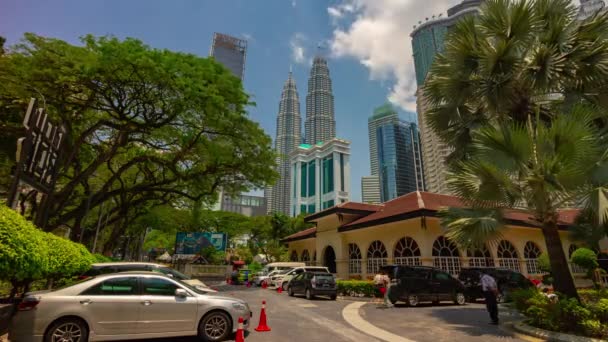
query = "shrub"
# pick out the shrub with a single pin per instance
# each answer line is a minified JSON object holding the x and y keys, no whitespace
{"x":22,"y":249}
{"x":586,"y":259}
{"x":28,"y":254}
{"x":521,"y":298}
{"x":101,"y":258}
{"x":356,"y":288}
{"x":255,"y":267}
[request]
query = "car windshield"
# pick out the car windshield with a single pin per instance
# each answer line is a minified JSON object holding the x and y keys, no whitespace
{"x":324,"y":276}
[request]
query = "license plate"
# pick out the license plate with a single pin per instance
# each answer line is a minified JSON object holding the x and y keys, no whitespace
{"x":325,"y":285}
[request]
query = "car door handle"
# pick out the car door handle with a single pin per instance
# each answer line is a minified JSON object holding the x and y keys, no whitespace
{"x":86,"y":302}
{"x":146,"y":303}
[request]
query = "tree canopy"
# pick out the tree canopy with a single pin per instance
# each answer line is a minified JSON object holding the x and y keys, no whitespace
{"x":145,"y":127}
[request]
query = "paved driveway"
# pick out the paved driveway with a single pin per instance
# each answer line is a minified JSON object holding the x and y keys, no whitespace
{"x":445,"y":322}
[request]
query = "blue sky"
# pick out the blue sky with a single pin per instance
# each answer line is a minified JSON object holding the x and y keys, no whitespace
{"x":368,"y":50}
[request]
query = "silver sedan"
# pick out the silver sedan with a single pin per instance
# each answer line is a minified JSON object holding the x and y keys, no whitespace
{"x":125,"y":306}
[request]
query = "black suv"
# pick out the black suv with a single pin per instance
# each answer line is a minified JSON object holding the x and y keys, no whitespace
{"x":415,"y":284}
{"x":313,"y":284}
{"x":507,"y":281}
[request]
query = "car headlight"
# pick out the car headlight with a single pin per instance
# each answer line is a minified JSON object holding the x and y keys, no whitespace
{"x":239,"y":306}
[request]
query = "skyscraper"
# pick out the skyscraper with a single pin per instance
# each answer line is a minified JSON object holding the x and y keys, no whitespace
{"x":320,"y":125}
{"x":231,"y":52}
{"x":289,"y":125}
{"x":428,"y":40}
{"x":399,"y":159}
{"x":382,"y":115}
{"x":370,"y":189}
{"x":320,"y":176}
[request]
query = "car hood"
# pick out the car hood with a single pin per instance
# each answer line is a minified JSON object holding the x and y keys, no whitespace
{"x":226,"y":298}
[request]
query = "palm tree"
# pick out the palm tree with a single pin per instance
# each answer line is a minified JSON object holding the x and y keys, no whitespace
{"x":505,"y":64}
{"x":538,"y":167}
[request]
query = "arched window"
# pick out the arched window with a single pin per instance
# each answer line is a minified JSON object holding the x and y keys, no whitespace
{"x":407,"y":252}
{"x":480,"y":257}
{"x":507,"y":256}
{"x":446,"y":255}
{"x":376,"y":256}
{"x":354,"y":258}
{"x":531,"y":254}
{"x":294,"y":256}
{"x":305,"y":257}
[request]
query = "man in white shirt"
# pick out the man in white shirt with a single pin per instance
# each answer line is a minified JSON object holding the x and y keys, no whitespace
{"x":490,"y":291}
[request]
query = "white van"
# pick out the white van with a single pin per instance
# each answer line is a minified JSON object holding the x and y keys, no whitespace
{"x":282,"y":279}
{"x":278,"y":266}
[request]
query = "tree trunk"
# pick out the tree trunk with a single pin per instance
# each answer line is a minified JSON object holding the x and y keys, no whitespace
{"x":562,"y":278}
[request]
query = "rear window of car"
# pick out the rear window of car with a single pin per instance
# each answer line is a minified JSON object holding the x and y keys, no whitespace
{"x":115,"y":286}
{"x":323,"y":276}
{"x":317,"y":270}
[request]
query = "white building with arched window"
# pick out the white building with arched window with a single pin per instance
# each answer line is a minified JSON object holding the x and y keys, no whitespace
{"x":355,"y":239}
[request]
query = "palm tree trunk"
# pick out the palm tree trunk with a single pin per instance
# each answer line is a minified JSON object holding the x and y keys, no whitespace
{"x":563,"y":281}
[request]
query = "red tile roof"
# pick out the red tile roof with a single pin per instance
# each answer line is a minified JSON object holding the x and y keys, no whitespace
{"x":406,"y":205}
{"x":344,"y":207}
{"x":301,"y":234}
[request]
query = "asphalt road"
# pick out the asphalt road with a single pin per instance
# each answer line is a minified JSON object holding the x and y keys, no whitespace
{"x":297,"y":319}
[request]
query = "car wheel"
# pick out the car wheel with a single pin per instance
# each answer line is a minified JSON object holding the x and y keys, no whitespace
{"x":412,"y":300}
{"x":216,"y":326}
{"x":68,"y":330}
{"x":459,"y":298}
{"x":284,"y":286}
{"x":290,"y":291}
{"x":309,"y":294}
{"x":333,"y":297}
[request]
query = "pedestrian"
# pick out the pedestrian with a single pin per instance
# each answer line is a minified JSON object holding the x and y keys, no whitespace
{"x":490,"y":291}
{"x":387,"y":287}
{"x":379,"y":284}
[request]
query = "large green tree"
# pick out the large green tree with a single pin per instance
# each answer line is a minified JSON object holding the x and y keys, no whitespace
{"x":505,"y":95}
{"x":539,"y":167}
{"x":145,"y":127}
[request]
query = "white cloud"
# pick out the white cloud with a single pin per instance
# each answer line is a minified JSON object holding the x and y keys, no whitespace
{"x":378,"y":35}
{"x":298,"y":50}
{"x":293,"y":3}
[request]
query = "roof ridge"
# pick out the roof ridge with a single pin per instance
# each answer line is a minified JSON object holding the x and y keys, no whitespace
{"x":420,"y":200}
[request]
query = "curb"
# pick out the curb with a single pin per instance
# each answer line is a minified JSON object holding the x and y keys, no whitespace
{"x":551,"y":335}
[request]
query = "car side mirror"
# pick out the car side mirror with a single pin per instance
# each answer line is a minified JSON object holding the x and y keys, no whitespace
{"x":181,"y":293}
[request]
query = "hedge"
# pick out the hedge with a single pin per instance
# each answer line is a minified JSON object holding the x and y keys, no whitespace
{"x":28,"y":254}
{"x":356,"y":288}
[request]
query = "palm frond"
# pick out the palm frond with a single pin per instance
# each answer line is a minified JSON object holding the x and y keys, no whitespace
{"x":472,"y":228}
{"x":509,"y":146}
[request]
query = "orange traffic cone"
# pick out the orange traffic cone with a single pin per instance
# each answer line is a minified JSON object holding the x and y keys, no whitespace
{"x":240,"y":335}
{"x":263,"y":326}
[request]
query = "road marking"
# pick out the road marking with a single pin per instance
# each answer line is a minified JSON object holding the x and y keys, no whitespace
{"x":351,"y":315}
{"x":307,"y":305}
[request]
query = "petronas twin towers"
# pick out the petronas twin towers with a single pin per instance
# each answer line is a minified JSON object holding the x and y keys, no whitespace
{"x":320,"y":126}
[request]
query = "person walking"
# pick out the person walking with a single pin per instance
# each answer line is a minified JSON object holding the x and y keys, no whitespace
{"x":379,"y":282}
{"x":387,"y":287}
{"x":490,"y":291}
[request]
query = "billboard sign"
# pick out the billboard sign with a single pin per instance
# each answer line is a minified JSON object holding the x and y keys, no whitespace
{"x":193,"y":242}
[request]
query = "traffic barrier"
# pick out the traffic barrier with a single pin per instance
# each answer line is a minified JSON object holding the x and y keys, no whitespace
{"x":263,"y":326}
{"x":240,"y":335}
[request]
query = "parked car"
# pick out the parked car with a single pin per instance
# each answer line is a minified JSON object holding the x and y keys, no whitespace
{"x":282,"y":279}
{"x":313,"y":284}
{"x":507,"y":281}
{"x":126,"y":306}
{"x":115,"y":267}
{"x":415,"y":284}
{"x":261,"y":276}
{"x":278,"y":266}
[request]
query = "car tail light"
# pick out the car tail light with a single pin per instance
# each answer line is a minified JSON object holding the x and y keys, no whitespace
{"x":28,"y":303}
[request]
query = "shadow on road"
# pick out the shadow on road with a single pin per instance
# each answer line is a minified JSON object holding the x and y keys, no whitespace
{"x":475,"y":322}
